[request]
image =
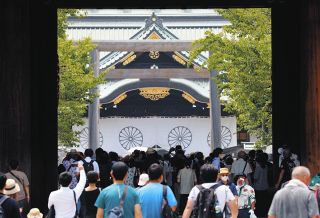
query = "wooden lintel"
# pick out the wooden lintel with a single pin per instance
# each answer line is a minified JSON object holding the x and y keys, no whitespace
{"x":183,"y":73}
{"x":144,"y":45}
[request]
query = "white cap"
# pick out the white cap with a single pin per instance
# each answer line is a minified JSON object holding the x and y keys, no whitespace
{"x":143,"y":179}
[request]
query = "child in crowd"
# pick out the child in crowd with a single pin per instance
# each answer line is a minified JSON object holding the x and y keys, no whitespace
{"x":89,"y":196}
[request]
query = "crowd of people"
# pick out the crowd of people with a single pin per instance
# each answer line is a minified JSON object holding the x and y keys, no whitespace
{"x":146,"y":184}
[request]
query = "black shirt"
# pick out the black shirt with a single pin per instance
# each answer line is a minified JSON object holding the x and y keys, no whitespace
{"x":10,"y":207}
{"x":88,"y":198}
{"x":287,"y":165}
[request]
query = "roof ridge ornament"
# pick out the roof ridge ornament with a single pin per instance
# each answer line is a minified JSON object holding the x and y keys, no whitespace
{"x":153,"y":19}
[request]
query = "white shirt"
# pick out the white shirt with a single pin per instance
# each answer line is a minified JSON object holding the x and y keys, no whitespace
{"x":63,"y":199}
{"x":95,"y":164}
{"x":223,"y":194}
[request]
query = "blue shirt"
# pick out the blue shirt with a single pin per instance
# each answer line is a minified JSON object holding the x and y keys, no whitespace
{"x":216,"y":163}
{"x":151,"y":197}
{"x":110,"y":198}
{"x":233,"y":189}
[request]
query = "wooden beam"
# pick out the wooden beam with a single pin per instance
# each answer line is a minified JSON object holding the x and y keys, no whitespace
{"x":185,"y":73}
{"x":144,"y":45}
{"x":94,"y":4}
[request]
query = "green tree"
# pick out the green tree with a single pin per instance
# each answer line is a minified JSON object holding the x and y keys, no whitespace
{"x":242,"y":55}
{"x":76,"y":79}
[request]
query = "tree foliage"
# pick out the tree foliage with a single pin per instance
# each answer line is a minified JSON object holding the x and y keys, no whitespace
{"x":76,"y":80}
{"x":242,"y":55}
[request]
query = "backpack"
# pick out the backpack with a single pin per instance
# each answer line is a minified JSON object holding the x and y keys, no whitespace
{"x":166,"y":209}
{"x":118,"y":212}
{"x":4,"y":197}
{"x":207,"y":204}
{"x":88,"y":166}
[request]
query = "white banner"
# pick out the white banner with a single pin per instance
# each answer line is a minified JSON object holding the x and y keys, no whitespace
{"x":119,"y":134}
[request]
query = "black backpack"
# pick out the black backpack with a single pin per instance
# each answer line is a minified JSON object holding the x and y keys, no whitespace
{"x":206,"y":204}
{"x":166,"y":209}
{"x":88,"y":166}
{"x":4,"y":197}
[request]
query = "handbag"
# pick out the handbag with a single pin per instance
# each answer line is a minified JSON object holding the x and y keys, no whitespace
{"x":51,"y":212}
{"x":118,"y":212}
{"x":75,"y":201}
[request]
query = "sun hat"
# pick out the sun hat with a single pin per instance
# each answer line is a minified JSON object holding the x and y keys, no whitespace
{"x":11,"y":187}
{"x":224,"y":171}
{"x":143,"y":179}
{"x":34,"y":213}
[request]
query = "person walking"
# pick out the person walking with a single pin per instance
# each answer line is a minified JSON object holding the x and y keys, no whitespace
{"x":70,"y":164}
{"x":186,"y":179}
{"x":64,"y":199}
{"x":88,"y":163}
{"x":261,"y":186}
{"x":241,"y":165}
{"x":246,"y":197}
{"x":89,"y":196}
{"x":151,"y":195}
{"x":295,"y":200}
{"x":23,"y":196}
{"x":217,"y":156}
{"x":110,"y":197}
{"x":286,"y":167}
{"x":9,"y":206}
{"x":225,"y":180}
{"x":208,"y":175}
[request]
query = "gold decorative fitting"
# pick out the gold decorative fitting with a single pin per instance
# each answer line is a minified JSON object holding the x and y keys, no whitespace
{"x":154,"y":36}
{"x":119,"y":99}
{"x":178,"y":59}
{"x":154,"y":54}
{"x":208,"y":105}
{"x":129,"y":59}
{"x":188,"y":98}
{"x":154,"y":94}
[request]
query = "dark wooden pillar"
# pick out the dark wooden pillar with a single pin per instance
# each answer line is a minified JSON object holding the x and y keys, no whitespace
{"x":286,"y":87}
{"x":28,"y":93}
{"x":15,"y":86}
{"x":310,"y":70}
{"x":44,"y":89}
